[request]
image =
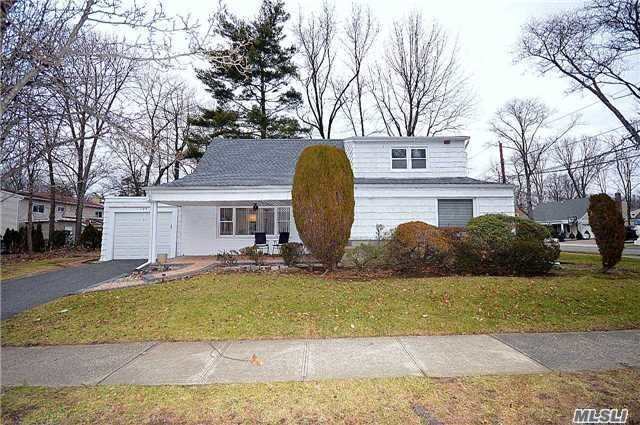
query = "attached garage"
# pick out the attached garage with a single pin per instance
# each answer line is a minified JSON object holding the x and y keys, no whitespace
{"x":454,"y":212}
{"x":127,"y":230}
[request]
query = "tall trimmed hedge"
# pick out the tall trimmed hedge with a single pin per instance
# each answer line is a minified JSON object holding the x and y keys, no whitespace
{"x":323,"y":202}
{"x":608,"y":226}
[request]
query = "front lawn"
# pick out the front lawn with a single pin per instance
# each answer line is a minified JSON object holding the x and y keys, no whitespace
{"x":526,"y":399}
{"x":24,"y":267}
{"x":272,"y":305}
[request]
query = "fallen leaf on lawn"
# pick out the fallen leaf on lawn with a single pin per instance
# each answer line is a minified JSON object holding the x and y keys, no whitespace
{"x":255,"y":360}
{"x":353,"y":326}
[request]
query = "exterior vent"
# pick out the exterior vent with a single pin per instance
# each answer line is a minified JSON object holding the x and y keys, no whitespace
{"x":446,"y":142}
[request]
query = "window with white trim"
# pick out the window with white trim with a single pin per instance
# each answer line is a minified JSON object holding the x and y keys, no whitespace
{"x":246,"y":221}
{"x":398,"y":159}
{"x":98,"y":213}
{"x":38,"y":208}
{"x":408,"y":158}
{"x":284,"y":219}
{"x":226,"y":221}
{"x":418,"y":158}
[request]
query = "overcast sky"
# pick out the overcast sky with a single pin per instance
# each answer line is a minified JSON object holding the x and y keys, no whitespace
{"x":487,"y":31}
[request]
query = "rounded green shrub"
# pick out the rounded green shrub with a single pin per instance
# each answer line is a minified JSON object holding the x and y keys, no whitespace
{"x":503,"y":245}
{"x":608,"y":227}
{"x":323,"y":202}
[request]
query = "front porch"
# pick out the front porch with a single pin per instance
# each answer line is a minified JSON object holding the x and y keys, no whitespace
{"x":220,"y":220}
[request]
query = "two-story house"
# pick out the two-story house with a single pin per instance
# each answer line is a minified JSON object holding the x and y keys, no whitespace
{"x":241,"y":187}
{"x":15,"y":208}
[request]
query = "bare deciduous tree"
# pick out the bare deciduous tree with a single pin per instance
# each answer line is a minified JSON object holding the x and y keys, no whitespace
{"x":520,"y":125}
{"x":420,"y":89}
{"x":88,"y":87}
{"x":151,"y":140}
{"x":626,"y":163}
{"x":581,"y":159}
{"x":361,"y":31}
{"x":595,"y":48}
{"x":558,"y":187}
{"x":37,"y":35}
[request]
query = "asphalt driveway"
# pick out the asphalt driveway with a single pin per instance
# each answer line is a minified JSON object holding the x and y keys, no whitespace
{"x":22,"y":294}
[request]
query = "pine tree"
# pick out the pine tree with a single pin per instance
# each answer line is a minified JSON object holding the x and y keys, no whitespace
{"x":250,"y":79}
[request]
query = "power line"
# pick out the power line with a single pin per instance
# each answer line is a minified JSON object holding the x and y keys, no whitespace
{"x":558,"y":169}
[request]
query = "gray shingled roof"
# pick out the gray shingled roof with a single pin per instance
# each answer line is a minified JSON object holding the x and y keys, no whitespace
{"x":555,"y":211}
{"x":251,"y":162}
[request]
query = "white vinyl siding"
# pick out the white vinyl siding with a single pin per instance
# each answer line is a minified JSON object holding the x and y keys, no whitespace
{"x":454,"y":212}
{"x":391,"y":205}
{"x":372,"y":159}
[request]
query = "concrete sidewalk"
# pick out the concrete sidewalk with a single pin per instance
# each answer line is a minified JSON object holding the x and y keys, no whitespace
{"x":192,"y":363}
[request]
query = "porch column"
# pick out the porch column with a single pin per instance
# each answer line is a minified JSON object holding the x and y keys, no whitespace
{"x":153,"y":222}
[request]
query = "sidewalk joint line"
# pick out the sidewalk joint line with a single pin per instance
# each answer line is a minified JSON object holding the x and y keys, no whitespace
{"x":214,"y":359}
{"x":305,"y":361}
{"x":127,"y":363}
{"x":494,"y":336}
{"x":411,"y":357}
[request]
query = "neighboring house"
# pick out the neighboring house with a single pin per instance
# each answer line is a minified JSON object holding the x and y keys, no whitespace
{"x":244,"y":186}
{"x":9,"y":211}
{"x":635,"y":217}
{"x":567,"y":217}
{"x":15,"y":209}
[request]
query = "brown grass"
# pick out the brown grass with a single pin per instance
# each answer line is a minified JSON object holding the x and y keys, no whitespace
{"x":525,"y":399}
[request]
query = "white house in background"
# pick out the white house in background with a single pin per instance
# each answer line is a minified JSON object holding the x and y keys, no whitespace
{"x":15,"y":208}
{"x":244,"y":186}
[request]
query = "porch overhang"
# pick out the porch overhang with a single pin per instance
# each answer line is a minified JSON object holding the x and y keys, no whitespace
{"x":212,"y":195}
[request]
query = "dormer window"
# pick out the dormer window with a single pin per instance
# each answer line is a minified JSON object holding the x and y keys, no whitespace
{"x":398,"y":159}
{"x":404,"y":158}
{"x":418,"y":158}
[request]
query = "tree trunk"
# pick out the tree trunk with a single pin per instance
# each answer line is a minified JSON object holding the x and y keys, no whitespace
{"x":52,"y":201}
{"x":29,"y":235}
{"x":263,"y":110}
{"x":79,"y":210}
{"x":176,"y":169}
{"x":527,"y":178}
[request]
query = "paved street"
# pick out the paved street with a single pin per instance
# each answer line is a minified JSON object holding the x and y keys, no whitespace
{"x":589,"y":246}
{"x":192,"y":363}
{"x":22,"y":294}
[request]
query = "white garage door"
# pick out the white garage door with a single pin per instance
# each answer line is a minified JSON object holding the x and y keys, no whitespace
{"x":131,"y":235}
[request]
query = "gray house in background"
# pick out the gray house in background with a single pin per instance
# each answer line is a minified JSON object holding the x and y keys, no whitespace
{"x":568,"y":217}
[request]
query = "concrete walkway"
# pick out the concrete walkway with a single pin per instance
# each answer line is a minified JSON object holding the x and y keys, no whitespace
{"x":192,"y":363}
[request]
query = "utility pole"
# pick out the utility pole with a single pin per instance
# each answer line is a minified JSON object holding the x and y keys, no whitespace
{"x":504,"y":178}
